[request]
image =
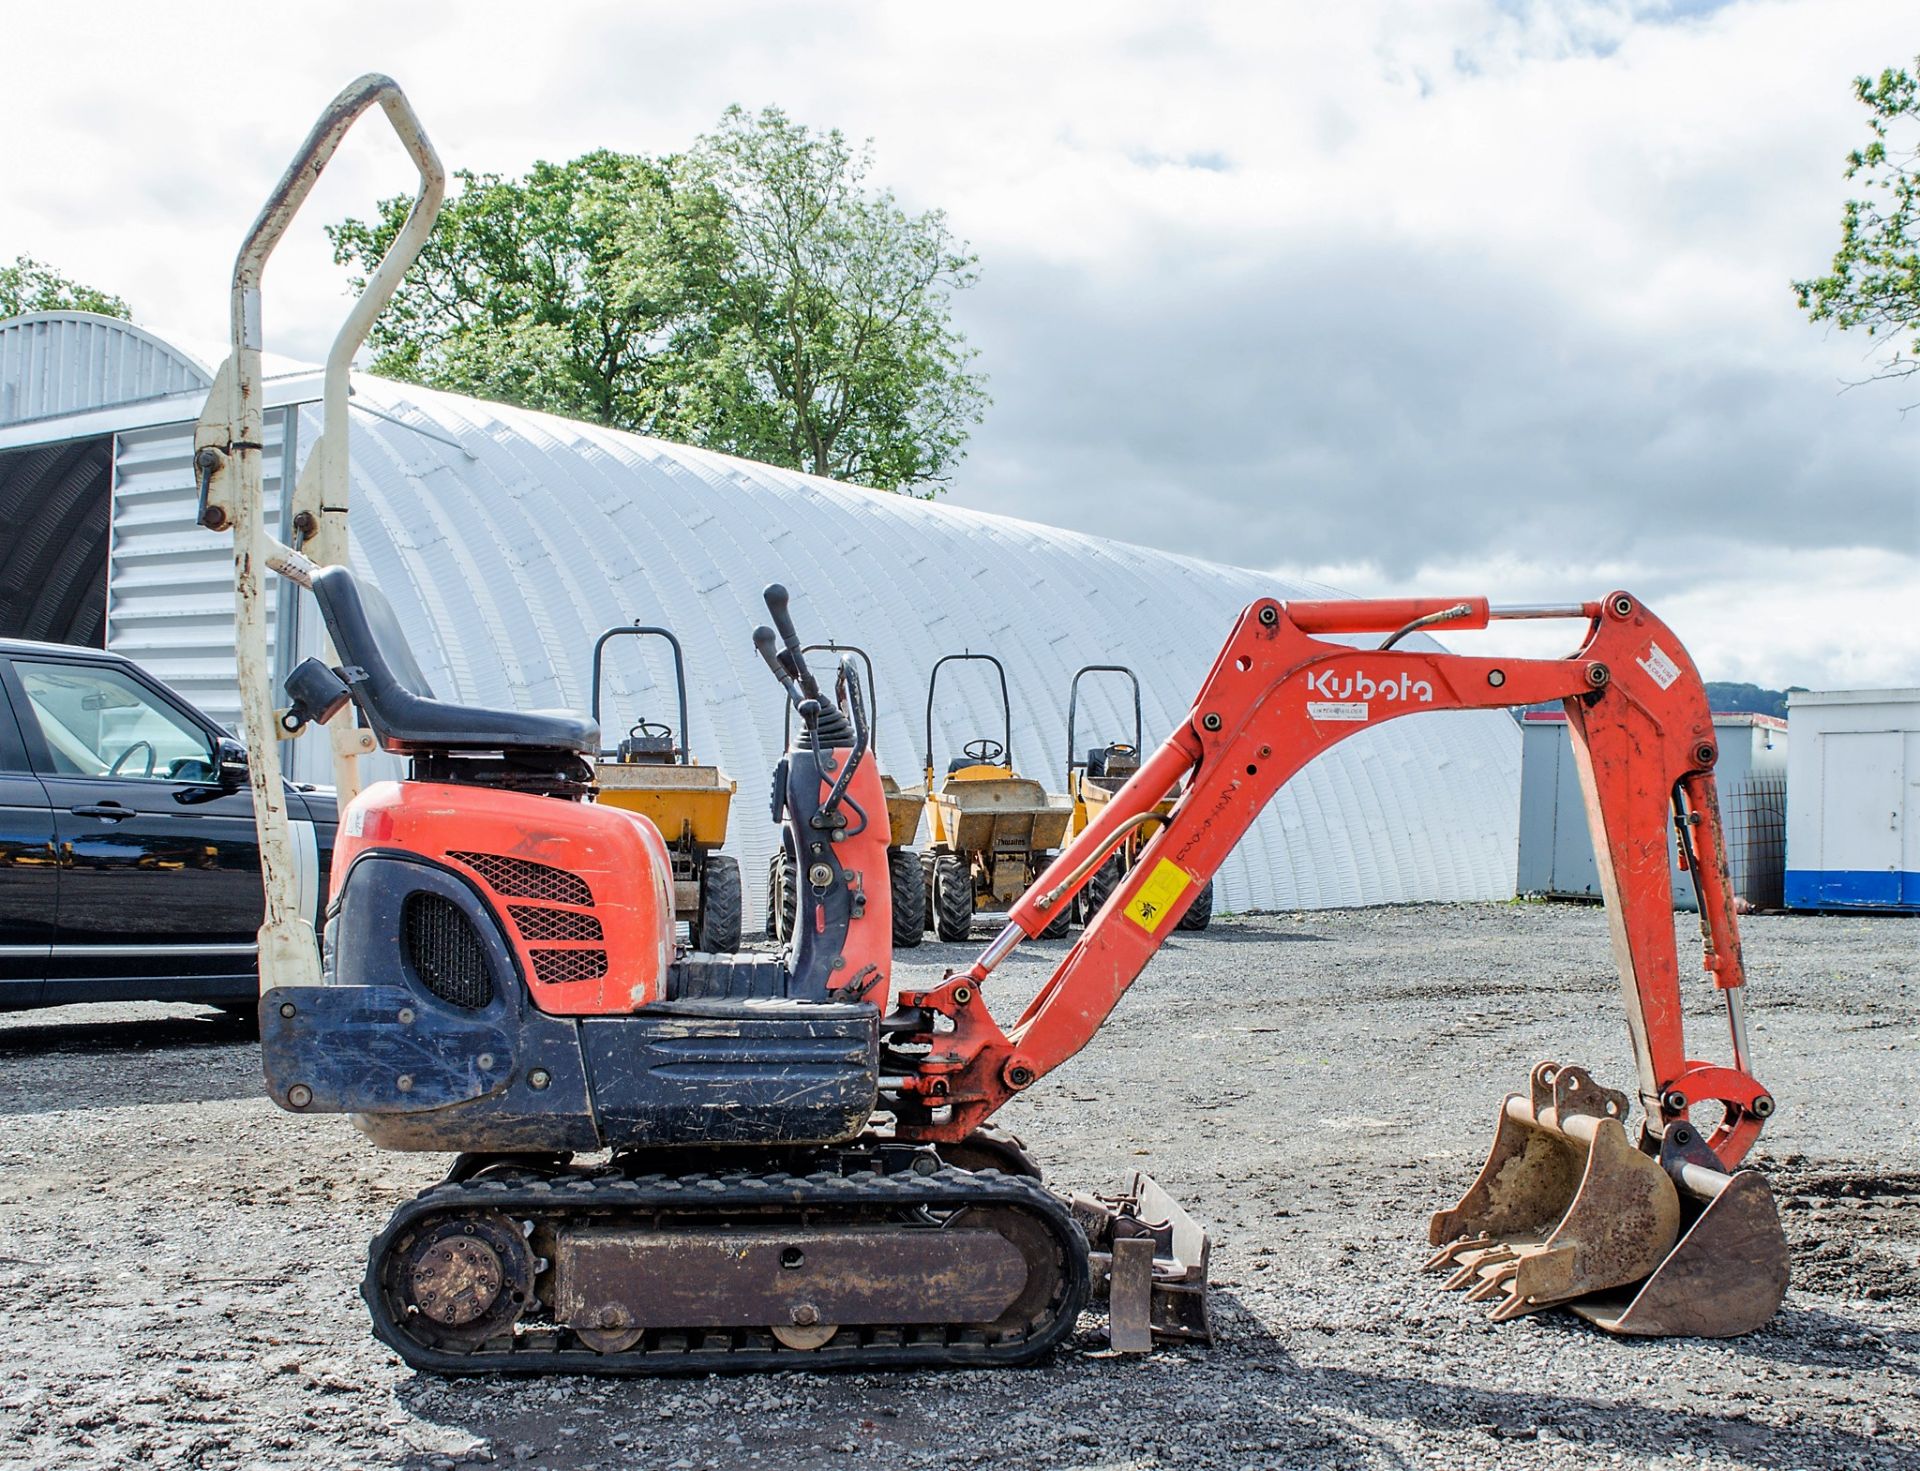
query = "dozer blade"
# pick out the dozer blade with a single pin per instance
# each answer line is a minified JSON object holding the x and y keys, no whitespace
{"x":1565,"y":1205}
{"x":1148,"y":1260}
{"x":1729,"y":1272}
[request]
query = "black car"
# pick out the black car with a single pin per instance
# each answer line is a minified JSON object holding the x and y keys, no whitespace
{"x":129,"y":869}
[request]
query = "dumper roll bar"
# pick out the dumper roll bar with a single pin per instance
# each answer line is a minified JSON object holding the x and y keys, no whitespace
{"x":1006,"y":704}
{"x":643,"y":630}
{"x":1074,"y":761}
{"x":228,"y":444}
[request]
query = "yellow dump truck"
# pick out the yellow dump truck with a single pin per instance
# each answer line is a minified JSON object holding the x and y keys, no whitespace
{"x":651,"y":772}
{"x":1092,"y":780}
{"x":903,"y":826}
{"x":993,"y":830}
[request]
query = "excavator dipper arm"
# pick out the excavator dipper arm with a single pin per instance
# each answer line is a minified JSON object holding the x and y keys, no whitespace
{"x":1279,"y":694}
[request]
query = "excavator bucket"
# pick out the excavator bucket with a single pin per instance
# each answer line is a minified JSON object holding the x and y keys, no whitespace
{"x":1567,"y":1210}
{"x":1729,"y":1272}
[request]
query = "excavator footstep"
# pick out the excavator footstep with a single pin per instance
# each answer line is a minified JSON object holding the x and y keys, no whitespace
{"x":1149,"y":1263}
{"x":1567,"y":1211}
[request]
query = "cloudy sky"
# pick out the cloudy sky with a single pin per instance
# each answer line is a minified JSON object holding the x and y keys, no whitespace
{"x":1444,"y":295}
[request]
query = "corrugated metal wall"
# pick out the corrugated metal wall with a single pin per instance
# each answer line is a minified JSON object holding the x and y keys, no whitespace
{"x":507,"y":540}
{"x":62,"y":362}
{"x":170,"y":583}
{"x":510,"y":548}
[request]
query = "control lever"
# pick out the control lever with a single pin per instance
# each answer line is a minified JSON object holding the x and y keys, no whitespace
{"x":780,"y":662}
{"x":796,"y":661}
{"x":763,"y":640}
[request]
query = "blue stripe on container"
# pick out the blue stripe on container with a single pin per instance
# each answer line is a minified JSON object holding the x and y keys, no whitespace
{"x":1862,"y":888}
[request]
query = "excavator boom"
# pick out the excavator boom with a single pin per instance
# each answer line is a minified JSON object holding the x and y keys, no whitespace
{"x":1278,"y":696}
{"x":1544,"y":1224}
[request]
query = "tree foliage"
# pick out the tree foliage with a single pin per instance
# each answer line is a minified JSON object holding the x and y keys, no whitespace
{"x":29,"y":285}
{"x":833,"y":311}
{"x":751,"y":296}
{"x":576,"y":290}
{"x":1875,"y":279}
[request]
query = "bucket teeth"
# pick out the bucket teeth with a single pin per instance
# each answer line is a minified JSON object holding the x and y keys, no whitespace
{"x":1447,"y":1255}
{"x":1494,"y":1279}
{"x":1470,"y":1265}
{"x":1514,"y":1306}
{"x":1566,"y":1207}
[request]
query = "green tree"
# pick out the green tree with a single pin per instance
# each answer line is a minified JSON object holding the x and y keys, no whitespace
{"x":578,"y":290}
{"x":29,"y":285}
{"x":833,"y":316}
{"x":753,"y":296}
{"x":1875,"y":280}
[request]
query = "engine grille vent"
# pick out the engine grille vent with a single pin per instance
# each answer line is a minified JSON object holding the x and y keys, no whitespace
{"x":554,"y":924}
{"x":445,"y":951}
{"x":519,"y":878}
{"x":558,"y":967}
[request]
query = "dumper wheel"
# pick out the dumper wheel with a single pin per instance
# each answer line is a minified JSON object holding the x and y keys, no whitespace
{"x":1199,"y":913}
{"x":1061,"y":922}
{"x":1106,"y":878}
{"x":782,"y":897}
{"x":716,"y":924}
{"x":952,"y":897}
{"x":909,"y":897}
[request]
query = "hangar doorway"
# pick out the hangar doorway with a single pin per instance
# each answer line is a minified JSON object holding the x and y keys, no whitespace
{"x":55,"y":502}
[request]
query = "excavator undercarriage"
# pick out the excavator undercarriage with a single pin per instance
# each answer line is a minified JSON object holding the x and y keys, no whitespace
{"x":877,"y":1257}
{"x":681,"y":1162}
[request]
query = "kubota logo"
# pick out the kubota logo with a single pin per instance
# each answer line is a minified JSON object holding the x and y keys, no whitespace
{"x":1357,"y":686}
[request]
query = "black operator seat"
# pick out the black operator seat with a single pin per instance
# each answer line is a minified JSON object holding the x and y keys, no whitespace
{"x":398,"y":701}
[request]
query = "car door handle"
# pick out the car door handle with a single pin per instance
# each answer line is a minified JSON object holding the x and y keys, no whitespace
{"x":112,"y":811}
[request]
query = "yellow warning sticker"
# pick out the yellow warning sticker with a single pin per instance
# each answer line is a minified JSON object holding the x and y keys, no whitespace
{"x":1162,"y":890}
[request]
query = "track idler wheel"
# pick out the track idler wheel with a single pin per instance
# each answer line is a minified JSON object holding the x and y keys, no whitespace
{"x":1566,"y":1207}
{"x":463,"y":1279}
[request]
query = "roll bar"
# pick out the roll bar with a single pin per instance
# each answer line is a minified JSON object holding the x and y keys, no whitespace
{"x":873,"y":698}
{"x":643,"y":630}
{"x":1006,"y":701}
{"x":228,"y":443}
{"x":1073,"y":701}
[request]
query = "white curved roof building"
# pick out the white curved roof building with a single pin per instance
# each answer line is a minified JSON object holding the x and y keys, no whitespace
{"x":507,"y":540}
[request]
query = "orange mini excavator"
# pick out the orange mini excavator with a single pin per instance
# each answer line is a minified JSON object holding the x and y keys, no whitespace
{"x":672,"y":1162}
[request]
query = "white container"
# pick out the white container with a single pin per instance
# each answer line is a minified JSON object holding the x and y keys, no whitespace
{"x":1853,"y":800}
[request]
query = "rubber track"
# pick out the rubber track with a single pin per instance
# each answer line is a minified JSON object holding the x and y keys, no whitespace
{"x":725,"y":1196}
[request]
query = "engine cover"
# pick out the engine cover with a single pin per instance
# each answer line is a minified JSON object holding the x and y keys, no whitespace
{"x":583,"y":891}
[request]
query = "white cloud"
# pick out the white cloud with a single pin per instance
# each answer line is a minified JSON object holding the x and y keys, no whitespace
{"x":1836,"y":619}
{"x":1464,"y":289}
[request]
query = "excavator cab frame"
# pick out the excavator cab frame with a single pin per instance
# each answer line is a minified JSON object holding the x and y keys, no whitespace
{"x":229,"y":443}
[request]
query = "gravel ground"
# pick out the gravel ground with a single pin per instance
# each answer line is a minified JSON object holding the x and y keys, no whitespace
{"x":183,"y":1261}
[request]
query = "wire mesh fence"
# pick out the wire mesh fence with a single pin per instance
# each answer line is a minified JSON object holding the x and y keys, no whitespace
{"x":1754,"y":812}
